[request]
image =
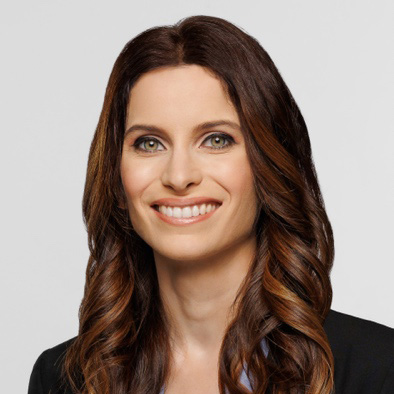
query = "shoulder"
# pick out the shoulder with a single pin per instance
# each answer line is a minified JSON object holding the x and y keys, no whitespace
{"x":46,"y":374}
{"x":363,"y":352}
{"x":346,"y":332}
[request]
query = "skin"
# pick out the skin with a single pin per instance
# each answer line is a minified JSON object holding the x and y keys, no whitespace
{"x":201,"y":266}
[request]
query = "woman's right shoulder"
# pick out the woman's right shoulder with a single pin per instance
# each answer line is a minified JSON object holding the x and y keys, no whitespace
{"x":46,"y":374}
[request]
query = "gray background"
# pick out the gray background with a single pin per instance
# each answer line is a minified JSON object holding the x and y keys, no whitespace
{"x":56,"y":57}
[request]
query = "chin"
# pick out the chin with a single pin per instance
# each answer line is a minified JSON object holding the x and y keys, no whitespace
{"x":184,"y":254}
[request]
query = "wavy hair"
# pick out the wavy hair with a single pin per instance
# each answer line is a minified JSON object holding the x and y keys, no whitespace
{"x":122,"y":345}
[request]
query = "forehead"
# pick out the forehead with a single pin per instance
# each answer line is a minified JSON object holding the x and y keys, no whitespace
{"x":187,"y":93}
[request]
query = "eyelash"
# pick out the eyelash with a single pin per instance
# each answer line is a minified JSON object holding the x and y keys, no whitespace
{"x":228,"y":138}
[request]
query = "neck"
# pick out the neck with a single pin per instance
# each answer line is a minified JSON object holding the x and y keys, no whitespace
{"x":198,"y":296}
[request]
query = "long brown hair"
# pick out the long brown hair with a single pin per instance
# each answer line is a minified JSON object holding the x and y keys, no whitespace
{"x":122,"y":345}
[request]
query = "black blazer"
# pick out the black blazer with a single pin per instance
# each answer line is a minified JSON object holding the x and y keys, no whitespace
{"x":363,"y":353}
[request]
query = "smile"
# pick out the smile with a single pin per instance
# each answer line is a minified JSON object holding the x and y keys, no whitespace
{"x":185,"y":215}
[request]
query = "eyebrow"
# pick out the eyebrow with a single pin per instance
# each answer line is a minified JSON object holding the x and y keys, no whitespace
{"x":200,"y":127}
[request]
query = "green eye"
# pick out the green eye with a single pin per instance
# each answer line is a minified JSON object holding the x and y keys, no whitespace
{"x":217,"y":141}
{"x":147,"y":144}
{"x":220,"y":141}
{"x":150,"y":144}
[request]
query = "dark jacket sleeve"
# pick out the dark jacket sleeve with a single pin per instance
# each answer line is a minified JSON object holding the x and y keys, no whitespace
{"x":363,"y":353}
{"x":388,"y":385}
{"x":35,"y":383}
{"x":46,"y":377}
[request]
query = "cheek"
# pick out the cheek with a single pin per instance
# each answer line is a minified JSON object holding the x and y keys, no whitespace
{"x":135,"y":179}
{"x":236,"y":175}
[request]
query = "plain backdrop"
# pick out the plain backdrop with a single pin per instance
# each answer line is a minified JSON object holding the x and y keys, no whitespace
{"x":56,"y":56}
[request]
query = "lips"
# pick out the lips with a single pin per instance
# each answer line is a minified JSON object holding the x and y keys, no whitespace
{"x":183,"y":202}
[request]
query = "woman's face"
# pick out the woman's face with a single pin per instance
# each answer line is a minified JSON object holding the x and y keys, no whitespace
{"x":183,"y":142}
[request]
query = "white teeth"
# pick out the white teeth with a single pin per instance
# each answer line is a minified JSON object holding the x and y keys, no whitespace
{"x":187,"y":212}
{"x":195,"y":210}
{"x":177,"y":212}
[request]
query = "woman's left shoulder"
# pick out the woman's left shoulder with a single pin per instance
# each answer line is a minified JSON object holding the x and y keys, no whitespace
{"x":364,"y":354}
{"x":341,"y":326}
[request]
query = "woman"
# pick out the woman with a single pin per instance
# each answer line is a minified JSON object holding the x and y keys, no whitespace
{"x":210,"y":245}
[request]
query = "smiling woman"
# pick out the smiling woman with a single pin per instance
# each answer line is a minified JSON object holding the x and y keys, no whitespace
{"x":187,"y":170}
{"x":210,"y":247}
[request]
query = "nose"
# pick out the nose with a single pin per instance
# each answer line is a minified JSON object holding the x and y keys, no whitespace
{"x":181,"y":171}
